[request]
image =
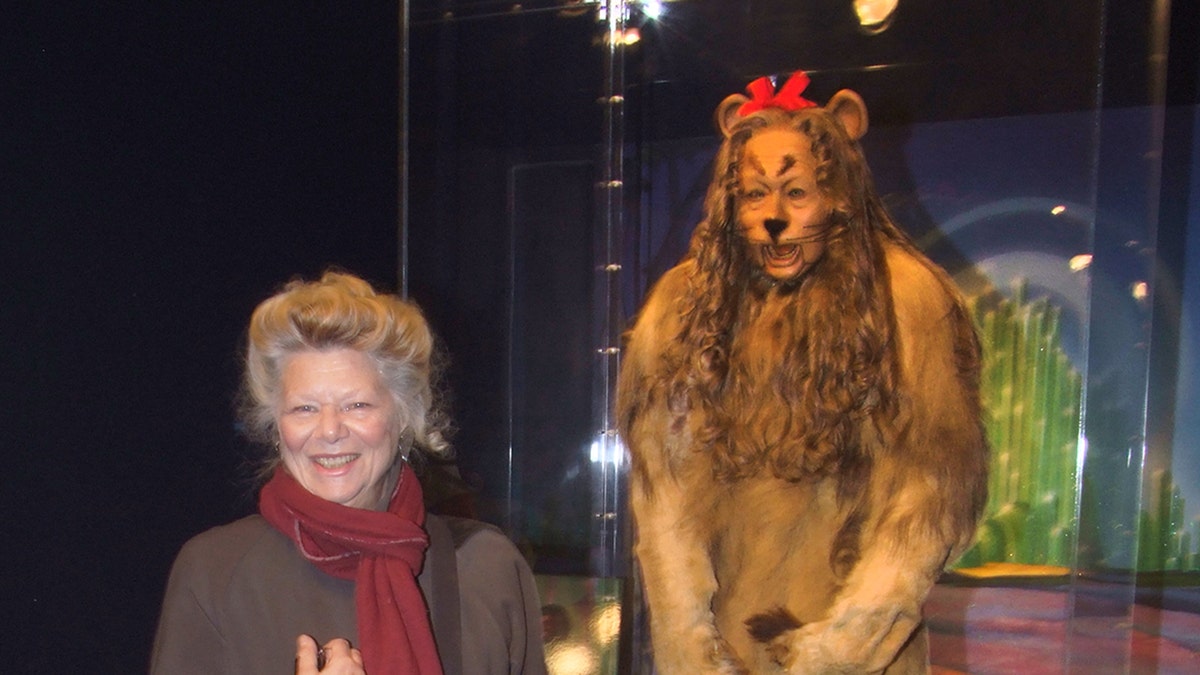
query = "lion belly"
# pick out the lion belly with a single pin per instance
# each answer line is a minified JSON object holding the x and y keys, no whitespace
{"x":772,"y":549}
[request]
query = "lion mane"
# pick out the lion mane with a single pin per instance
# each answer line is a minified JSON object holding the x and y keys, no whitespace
{"x":804,"y":403}
{"x":841,"y":368}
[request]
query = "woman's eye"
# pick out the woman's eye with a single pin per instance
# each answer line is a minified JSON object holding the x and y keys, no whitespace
{"x":303,"y":409}
{"x":358,"y":405}
{"x":796,"y":193}
{"x":754,"y":194}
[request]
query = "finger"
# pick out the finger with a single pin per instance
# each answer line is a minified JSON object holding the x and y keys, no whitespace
{"x":306,"y":655}
{"x":343,"y":658}
{"x":338,"y":647}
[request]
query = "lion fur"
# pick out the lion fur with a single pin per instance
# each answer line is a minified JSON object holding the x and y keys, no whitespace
{"x":808,"y":455}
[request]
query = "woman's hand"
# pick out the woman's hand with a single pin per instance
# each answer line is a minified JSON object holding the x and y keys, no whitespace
{"x":340,"y":657}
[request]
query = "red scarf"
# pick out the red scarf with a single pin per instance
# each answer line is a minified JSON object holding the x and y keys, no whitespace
{"x":382,"y":551}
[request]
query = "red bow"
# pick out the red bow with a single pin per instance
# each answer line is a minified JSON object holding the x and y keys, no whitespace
{"x":762,"y":94}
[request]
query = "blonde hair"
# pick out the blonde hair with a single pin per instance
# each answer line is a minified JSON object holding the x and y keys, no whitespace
{"x":342,"y":311}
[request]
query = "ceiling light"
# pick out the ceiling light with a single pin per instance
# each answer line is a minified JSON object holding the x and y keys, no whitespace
{"x":875,"y":15}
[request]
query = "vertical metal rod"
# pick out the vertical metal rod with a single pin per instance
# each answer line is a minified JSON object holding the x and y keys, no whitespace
{"x":613,"y":16}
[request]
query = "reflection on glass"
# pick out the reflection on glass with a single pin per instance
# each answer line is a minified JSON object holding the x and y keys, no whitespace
{"x":874,"y":14}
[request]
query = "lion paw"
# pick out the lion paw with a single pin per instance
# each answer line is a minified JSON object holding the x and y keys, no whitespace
{"x":721,"y":660}
{"x":863,"y":641}
{"x":699,"y":654}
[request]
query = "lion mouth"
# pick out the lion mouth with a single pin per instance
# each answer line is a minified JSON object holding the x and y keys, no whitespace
{"x":783,"y":255}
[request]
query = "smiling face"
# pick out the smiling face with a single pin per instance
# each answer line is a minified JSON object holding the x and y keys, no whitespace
{"x":337,"y":427}
{"x":782,"y":216}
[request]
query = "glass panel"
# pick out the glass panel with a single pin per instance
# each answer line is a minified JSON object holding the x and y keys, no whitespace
{"x":559,"y":153}
{"x":516,"y":202}
{"x":994,"y":182}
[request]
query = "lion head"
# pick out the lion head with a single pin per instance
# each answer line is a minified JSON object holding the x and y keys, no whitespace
{"x":791,"y":217}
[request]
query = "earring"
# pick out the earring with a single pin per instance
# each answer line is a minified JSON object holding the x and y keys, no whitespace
{"x":404,"y":446}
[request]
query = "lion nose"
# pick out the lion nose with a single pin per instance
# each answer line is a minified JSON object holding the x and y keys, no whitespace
{"x":774,"y":226}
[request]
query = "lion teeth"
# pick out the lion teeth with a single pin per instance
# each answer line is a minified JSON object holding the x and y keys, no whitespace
{"x":781,"y":254}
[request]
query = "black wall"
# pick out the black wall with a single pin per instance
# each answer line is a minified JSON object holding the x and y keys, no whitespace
{"x":163,"y":167}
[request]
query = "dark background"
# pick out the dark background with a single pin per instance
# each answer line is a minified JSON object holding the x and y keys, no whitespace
{"x":165,"y":166}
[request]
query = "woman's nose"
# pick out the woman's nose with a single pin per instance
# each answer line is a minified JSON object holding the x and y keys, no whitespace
{"x":331,"y":427}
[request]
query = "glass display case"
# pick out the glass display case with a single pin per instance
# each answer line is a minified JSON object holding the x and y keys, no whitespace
{"x":557,"y":153}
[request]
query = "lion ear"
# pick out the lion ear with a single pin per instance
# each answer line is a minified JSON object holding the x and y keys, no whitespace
{"x":727,"y":112}
{"x":848,"y":108}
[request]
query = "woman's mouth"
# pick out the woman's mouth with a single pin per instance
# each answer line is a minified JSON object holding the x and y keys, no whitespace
{"x":334,"y":461}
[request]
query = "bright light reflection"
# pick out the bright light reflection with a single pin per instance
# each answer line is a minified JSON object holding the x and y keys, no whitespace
{"x":1057,"y":210}
{"x":873,"y":13}
{"x":624,"y":38}
{"x":606,"y":624}
{"x":572,"y":659}
{"x":1080,"y":262}
{"x":607,"y":450}
{"x":652,"y":9}
{"x":1140,"y":290}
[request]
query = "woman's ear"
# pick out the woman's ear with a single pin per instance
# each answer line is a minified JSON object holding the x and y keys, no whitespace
{"x":848,"y":108}
{"x":727,"y":113}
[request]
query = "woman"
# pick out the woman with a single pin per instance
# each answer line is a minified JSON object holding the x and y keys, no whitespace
{"x":342,"y":553}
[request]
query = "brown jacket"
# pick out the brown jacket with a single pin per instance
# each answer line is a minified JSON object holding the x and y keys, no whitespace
{"x":239,"y":595}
